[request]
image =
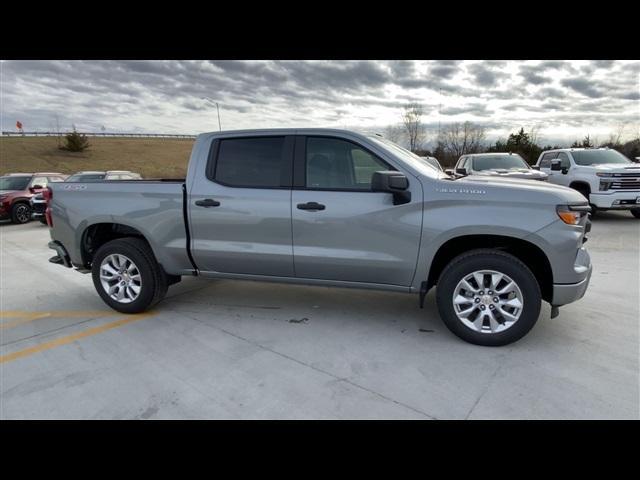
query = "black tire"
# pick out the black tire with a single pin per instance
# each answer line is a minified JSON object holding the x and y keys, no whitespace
{"x":584,"y":190}
{"x":635,"y":212}
{"x":154,"y":279}
{"x":21,"y":212}
{"x":505,"y":263}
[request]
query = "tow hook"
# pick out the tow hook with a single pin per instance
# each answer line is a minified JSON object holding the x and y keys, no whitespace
{"x":555,"y":311}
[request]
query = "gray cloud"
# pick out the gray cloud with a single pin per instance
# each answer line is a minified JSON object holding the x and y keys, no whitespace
{"x":582,"y":86}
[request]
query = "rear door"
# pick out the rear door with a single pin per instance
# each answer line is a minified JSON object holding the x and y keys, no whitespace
{"x":240,"y":211}
{"x":342,"y":230}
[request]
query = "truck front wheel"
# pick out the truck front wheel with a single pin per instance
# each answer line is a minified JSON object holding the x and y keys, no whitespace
{"x":127,"y":276}
{"x":488,"y":297}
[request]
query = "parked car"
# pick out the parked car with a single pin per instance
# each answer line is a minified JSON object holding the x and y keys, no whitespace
{"x":38,"y":207}
{"x":608,"y":179}
{"x":433,"y":161}
{"x":336,"y":208}
{"x":96,"y":176}
{"x":16,"y":189}
{"x":508,"y":165}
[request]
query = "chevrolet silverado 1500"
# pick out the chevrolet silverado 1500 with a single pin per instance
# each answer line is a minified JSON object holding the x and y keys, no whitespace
{"x":331,"y":207}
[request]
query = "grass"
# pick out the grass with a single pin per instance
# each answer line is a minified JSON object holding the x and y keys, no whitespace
{"x":151,"y":157}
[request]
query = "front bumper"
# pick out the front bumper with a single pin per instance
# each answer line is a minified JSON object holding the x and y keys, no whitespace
{"x":628,"y":199}
{"x":568,"y":293}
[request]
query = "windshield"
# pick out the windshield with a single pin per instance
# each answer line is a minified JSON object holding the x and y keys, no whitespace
{"x":14,"y":183}
{"x":490,"y":162}
{"x":407,"y":156}
{"x":432,"y":161}
{"x":85,"y":178}
{"x":596,"y":157}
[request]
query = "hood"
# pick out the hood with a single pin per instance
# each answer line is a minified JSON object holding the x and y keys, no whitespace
{"x":614,"y":167}
{"x":521,"y":190}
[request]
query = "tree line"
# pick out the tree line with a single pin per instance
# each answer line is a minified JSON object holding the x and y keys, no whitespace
{"x":461,"y":138}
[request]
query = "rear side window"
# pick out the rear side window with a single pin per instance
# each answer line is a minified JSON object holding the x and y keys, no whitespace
{"x":332,"y":163}
{"x":252,"y":162}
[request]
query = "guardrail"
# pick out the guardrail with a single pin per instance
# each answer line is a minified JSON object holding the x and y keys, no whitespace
{"x":96,"y":134}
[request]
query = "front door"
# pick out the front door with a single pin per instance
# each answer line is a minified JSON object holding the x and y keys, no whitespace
{"x":342,"y":230}
{"x":240,"y":212}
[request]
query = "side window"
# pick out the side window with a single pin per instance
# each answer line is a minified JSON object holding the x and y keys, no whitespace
{"x":42,"y":181}
{"x":461,"y":162}
{"x":564,"y":160}
{"x":545,"y":162}
{"x":339,"y":164}
{"x":252,"y":162}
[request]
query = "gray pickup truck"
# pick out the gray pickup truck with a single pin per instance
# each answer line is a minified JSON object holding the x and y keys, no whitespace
{"x":331,"y":207}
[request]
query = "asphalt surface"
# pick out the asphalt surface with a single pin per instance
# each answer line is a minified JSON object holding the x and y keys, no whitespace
{"x":248,"y":350}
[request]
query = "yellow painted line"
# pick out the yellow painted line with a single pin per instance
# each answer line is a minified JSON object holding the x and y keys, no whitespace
{"x":31,"y":316}
{"x":56,"y":313}
{"x":71,"y":338}
{"x":25,"y":320}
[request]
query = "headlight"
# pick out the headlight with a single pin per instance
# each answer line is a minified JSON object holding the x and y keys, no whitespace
{"x":605,"y":184}
{"x":604,"y":174}
{"x":571,"y":214}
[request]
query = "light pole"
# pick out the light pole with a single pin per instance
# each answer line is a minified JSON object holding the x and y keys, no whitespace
{"x":217,"y":108}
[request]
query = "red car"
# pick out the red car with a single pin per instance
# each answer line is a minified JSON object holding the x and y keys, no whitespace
{"x":16,"y":189}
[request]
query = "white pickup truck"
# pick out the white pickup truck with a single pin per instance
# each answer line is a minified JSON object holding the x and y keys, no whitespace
{"x":608,"y":179}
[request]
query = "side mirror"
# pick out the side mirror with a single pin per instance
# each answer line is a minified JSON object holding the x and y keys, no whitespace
{"x":461,"y":171}
{"x":556,"y":165}
{"x":449,"y":171}
{"x":535,"y":167}
{"x":390,"y":181}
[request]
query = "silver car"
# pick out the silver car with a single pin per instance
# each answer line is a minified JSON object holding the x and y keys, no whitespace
{"x":506,"y":165}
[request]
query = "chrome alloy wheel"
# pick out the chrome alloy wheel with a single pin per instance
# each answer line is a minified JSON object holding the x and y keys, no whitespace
{"x":487,"y":301}
{"x":120,"y":278}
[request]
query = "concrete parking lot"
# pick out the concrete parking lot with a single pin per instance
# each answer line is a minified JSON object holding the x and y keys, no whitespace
{"x":236,"y":350}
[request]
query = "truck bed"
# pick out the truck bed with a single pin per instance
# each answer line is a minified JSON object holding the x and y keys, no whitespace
{"x":155,"y":208}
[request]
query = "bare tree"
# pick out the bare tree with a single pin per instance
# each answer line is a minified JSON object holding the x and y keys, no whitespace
{"x":394,"y":133}
{"x":461,"y":138}
{"x":412,"y":120}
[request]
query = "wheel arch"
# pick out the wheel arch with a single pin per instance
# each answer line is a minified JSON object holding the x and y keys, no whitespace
{"x":97,"y":234}
{"x":527,"y":252}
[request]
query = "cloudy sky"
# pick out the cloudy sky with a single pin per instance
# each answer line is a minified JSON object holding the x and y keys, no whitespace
{"x":565,"y":100}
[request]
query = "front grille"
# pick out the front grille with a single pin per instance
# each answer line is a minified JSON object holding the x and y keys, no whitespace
{"x":624,"y":184}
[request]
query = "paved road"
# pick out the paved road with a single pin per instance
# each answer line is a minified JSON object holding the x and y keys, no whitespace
{"x":223,"y":349}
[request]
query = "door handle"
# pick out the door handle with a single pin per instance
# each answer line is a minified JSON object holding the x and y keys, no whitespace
{"x":311,"y":206}
{"x":207,"y":202}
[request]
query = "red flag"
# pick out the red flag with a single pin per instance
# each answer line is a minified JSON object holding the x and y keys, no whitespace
{"x":19,"y":125}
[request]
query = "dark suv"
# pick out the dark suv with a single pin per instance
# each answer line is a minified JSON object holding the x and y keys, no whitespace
{"x":16,"y":189}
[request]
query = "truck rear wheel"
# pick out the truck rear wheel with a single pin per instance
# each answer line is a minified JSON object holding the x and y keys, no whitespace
{"x":488,"y":297}
{"x":127,"y":276}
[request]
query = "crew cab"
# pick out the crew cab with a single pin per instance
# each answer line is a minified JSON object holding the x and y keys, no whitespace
{"x":334,"y":208}
{"x":608,"y":179}
{"x":497,"y":164}
{"x":16,"y":190}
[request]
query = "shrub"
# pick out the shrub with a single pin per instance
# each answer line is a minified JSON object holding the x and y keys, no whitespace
{"x":75,"y":142}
